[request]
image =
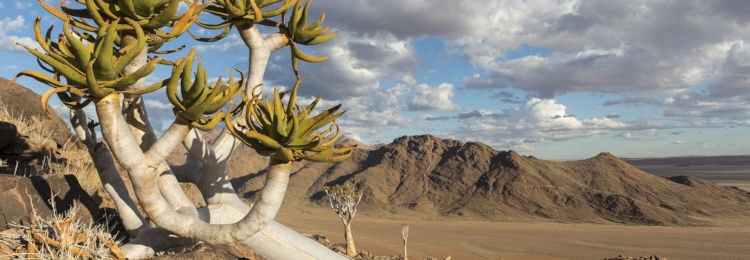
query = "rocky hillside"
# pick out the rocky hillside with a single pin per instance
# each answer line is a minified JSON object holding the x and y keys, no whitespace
{"x":33,"y":142}
{"x":432,"y":177}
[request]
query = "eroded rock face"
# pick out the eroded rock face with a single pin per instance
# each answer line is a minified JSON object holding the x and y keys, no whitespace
{"x":20,"y":196}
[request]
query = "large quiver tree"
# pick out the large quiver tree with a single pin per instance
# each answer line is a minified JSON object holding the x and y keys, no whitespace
{"x":103,"y":55}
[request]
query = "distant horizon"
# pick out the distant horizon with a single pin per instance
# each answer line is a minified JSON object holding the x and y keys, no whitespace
{"x":554,"y":79}
{"x":568,"y":159}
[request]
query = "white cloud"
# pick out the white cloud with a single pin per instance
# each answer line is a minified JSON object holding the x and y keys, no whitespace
{"x":372,"y":114}
{"x":159,"y":111}
{"x":22,"y":5}
{"x":14,"y":25}
{"x":355,"y":67}
{"x":432,"y":98}
{"x":596,"y":46}
{"x":232,"y":43}
{"x":538,"y":119}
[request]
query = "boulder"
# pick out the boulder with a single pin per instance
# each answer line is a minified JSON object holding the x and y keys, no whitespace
{"x":8,"y":133}
{"x":21,"y":196}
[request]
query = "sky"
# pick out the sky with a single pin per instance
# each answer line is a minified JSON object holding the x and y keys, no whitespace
{"x":557,"y":79}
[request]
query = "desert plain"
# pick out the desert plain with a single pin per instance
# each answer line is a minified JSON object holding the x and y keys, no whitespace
{"x":725,"y":238}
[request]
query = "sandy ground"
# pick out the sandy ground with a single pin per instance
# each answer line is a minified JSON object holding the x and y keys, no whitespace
{"x":510,"y":240}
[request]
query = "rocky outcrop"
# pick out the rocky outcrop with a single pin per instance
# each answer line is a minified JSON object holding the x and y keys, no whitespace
{"x":21,"y":196}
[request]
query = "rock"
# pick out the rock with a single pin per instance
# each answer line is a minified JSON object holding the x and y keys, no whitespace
{"x":8,"y":133}
{"x":20,"y":194}
{"x":193,"y":193}
{"x":199,"y":251}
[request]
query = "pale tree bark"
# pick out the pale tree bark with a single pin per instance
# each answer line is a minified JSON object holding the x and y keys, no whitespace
{"x":405,"y":236}
{"x":131,"y":139}
{"x":351,"y":250}
{"x":142,"y":168}
{"x":145,"y":240}
{"x":137,"y":118}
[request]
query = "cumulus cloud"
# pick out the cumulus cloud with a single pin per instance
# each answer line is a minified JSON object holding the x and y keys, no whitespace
{"x":649,"y":53}
{"x":597,"y":46}
{"x":372,"y":114}
{"x":356,"y":65}
{"x":537,"y":119}
{"x":17,"y":24}
{"x":612,"y":47}
{"x":429,"y":98}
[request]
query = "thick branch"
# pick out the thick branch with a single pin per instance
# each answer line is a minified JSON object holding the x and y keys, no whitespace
{"x":260,"y":51}
{"x":143,"y":177}
{"x":174,"y":135}
{"x":213,"y":181}
{"x":136,"y":117}
{"x":110,"y":178}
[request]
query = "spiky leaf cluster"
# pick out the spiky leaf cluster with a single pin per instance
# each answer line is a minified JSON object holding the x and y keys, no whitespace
{"x":152,"y":15}
{"x":93,"y":69}
{"x":296,"y":28}
{"x":241,"y":11}
{"x":299,"y":31}
{"x":199,"y":102}
{"x":286,"y":132}
{"x":247,"y":9}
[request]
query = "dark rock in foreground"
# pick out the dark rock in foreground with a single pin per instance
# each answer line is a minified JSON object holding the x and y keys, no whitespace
{"x":20,"y":194}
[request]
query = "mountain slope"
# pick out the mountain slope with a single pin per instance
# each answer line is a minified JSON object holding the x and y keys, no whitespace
{"x":432,"y":177}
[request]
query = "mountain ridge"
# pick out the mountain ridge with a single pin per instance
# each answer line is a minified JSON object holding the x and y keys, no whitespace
{"x":429,"y":177}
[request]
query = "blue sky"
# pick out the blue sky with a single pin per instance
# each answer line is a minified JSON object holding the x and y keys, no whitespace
{"x":556,"y":79}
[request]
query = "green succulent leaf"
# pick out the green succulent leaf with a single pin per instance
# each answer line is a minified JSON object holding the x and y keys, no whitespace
{"x":286,"y":132}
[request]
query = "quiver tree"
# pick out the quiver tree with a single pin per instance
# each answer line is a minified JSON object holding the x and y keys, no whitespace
{"x":405,"y":236}
{"x":102,"y":57}
{"x":343,"y":199}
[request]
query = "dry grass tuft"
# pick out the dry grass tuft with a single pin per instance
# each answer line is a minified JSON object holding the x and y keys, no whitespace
{"x":59,"y":237}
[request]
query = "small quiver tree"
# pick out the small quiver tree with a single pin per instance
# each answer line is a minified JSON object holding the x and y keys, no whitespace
{"x":405,"y":236}
{"x":344,"y":199}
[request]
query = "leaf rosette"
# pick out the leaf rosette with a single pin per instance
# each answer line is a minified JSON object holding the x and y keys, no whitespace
{"x":92,"y":68}
{"x":286,"y":132}
{"x":198,"y":102}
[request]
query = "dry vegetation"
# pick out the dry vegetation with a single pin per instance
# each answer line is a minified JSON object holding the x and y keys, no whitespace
{"x":60,"y":236}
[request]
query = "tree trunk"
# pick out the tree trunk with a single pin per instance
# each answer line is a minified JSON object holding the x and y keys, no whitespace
{"x":351,"y":250}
